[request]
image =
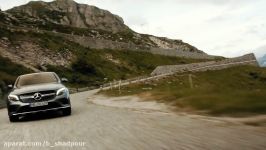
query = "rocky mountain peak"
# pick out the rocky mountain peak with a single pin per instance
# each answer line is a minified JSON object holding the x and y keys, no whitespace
{"x":70,"y":13}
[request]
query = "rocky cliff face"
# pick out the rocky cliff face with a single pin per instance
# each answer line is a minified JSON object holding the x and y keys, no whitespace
{"x":70,"y":13}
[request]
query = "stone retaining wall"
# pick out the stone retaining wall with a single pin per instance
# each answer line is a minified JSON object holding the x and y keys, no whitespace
{"x":248,"y":59}
{"x":180,"y":53}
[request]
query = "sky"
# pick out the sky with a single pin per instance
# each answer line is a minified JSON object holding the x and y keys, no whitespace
{"x":227,"y":28}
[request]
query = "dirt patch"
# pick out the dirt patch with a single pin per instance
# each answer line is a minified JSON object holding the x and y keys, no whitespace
{"x":174,"y":106}
{"x":146,"y":96}
{"x":130,"y":102}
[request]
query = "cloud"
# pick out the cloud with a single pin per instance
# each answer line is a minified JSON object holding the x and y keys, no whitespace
{"x":260,"y":51}
{"x":137,"y":20}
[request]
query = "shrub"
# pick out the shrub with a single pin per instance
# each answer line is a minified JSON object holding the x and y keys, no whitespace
{"x":82,"y":66}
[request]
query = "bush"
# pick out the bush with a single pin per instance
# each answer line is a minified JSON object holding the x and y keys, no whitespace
{"x":82,"y":66}
{"x":254,"y":75}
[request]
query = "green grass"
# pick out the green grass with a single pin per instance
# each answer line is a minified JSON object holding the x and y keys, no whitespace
{"x":236,"y":91}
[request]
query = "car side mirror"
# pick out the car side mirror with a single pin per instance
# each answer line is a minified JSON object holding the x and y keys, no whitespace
{"x":10,"y":86}
{"x":64,"y":80}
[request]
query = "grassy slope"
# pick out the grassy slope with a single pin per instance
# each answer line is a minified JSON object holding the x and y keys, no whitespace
{"x":9,"y":71}
{"x":90,"y":66}
{"x":236,"y":91}
{"x":8,"y":74}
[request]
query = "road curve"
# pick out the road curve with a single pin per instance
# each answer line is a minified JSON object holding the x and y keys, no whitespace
{"x":109,"y":128}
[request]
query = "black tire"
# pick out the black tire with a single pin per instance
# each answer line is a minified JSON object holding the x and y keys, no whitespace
{"x":13,"y":118}
{"x":67,"y":111}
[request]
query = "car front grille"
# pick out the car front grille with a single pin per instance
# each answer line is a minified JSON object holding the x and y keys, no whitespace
{"x":45,"y":96}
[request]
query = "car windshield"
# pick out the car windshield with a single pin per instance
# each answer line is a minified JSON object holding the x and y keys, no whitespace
{"x":38,"y":78}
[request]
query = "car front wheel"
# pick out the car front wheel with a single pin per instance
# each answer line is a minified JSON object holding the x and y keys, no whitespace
{"x":13,"y":118}
{"x":67,"y":111}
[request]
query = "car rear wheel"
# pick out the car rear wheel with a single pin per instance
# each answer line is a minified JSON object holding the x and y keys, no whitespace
{"x":67,"y":111}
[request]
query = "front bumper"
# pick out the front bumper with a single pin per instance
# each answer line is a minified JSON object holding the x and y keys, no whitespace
{"x":16,"y":108}
{"x":40,"y":111}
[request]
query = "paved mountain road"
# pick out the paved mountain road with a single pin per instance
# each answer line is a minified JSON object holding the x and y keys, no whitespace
{"x":109,"y":128}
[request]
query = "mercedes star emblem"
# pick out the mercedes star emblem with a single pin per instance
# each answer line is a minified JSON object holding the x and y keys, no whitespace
{"x":37,"y":96}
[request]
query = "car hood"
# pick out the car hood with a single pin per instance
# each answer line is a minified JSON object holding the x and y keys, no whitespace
{"x":37,"y":88}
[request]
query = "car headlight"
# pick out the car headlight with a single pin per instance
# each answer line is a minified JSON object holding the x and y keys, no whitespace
{"x":13,"y":97}
{"x":61,"y":91}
